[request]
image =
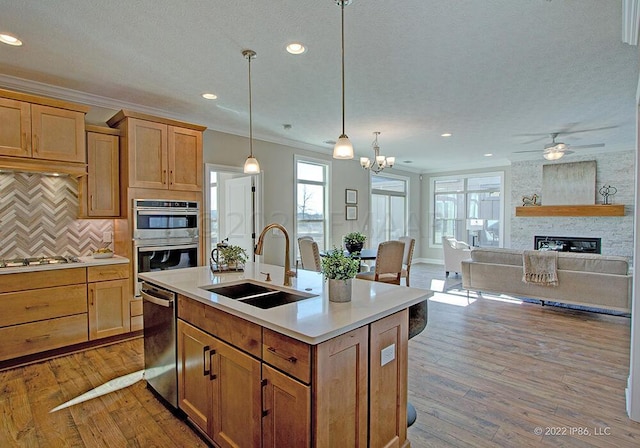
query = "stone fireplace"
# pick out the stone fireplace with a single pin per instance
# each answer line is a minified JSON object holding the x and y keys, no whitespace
{"x":567,"y":244}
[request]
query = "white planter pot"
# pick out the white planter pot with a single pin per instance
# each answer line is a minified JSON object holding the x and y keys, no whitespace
{"x":340,"y":290}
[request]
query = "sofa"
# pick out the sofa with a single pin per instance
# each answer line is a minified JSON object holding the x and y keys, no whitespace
{"x":596,"y":281}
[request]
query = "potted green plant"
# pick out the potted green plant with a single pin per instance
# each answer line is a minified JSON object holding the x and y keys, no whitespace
{"x":339,"y":270}
{"x":354,"y":241}
{"x":232,"y":256}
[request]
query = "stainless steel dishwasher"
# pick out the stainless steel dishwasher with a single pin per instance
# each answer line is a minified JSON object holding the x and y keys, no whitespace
{"x":160,"y":361}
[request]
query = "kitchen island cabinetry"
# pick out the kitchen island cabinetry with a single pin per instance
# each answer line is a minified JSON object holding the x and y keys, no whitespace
{"x":99,"y":191}
{"x":108,"y":291}
{"x":218,"y":388}
{"x":159,"y":153}
{"x":42,"y":128}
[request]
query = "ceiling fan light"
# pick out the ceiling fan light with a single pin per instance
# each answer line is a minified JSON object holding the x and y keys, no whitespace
{"x":553,"y":155}
{"x":560,"y":146}
{"x":343,"y":148}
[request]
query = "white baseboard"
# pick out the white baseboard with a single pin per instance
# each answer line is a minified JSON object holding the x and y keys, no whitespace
{"x":429,"y":261}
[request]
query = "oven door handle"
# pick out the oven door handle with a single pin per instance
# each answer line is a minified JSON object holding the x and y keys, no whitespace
{"x":168,"y":213}
{"x":156,"y":300}
{"x":167,"y":247}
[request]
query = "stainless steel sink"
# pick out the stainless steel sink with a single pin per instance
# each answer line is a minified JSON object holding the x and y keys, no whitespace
{"x":257,"y":295}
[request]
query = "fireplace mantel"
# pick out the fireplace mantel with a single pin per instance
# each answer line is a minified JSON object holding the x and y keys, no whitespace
{"x":571,"y":210}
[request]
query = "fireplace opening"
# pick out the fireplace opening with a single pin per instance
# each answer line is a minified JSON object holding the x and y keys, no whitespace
{"x":567,"y":244}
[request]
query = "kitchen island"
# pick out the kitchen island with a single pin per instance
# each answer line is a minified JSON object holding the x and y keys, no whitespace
{"x":307,"y":373}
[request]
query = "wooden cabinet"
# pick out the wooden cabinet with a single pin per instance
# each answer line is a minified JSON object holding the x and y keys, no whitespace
{"x":218,"y":388}
{"x":108,"y":296}
{"x":286,"y":410}
{"x":42,"y":311}
{"x":160,"y":153}
{"x":99,"y":191}
{"x":41,"y":128}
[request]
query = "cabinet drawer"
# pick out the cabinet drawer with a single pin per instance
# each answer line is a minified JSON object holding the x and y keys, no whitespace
{"x":39,"y":304}
{"x":287,"y":354}
{"x":107,"y":272}
{"x":236,"y":331}
{"x":23,"y":281}
{"x":135,"y":307}
{"x":26,"y":339}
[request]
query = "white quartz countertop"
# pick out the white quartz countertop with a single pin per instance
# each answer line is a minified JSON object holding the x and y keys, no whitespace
{"x":83,"y":263}
{"x":313,"y":320}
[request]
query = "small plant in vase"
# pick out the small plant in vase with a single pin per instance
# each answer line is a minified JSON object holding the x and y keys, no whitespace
{"x":354,"y":241}
{"x":339,"y":270}
{"x":233,"y":256}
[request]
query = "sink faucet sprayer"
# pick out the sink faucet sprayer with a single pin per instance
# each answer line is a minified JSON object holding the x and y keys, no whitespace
{"x":288,"y":273}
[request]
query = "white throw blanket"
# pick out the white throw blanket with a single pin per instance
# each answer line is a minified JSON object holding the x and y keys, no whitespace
{"x":540,"y":267}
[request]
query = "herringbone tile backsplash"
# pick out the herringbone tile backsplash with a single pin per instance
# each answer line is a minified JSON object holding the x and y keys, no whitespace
{"x":38,"y":217}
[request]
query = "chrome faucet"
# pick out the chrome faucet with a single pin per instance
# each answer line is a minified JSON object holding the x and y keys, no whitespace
{"x":288,"y":273}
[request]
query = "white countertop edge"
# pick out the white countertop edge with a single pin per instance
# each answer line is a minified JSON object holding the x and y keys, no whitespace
{"x":84,"y":262}
{"x":331,"y":319}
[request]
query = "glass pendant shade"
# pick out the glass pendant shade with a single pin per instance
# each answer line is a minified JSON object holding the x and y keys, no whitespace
{"x":343,"y":148}
{"x":251,"y":165}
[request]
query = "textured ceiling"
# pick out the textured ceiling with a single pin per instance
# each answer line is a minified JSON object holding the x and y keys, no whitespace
{"x":491,"y":72}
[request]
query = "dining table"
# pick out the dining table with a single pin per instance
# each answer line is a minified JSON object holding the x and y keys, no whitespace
{"x":365,"y":254}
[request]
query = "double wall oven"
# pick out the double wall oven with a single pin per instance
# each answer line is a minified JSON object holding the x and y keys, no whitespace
{"x":165,"y":235}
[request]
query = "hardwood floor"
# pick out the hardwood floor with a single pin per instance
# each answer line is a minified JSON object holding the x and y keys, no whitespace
{"x":482,"y":374}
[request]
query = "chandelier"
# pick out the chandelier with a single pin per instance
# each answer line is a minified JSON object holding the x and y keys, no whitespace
{"x":379,"y":162}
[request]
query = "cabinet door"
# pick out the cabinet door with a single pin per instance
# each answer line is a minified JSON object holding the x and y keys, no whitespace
{"x":57,"y":134}
{"x":147,"y":154}
{"x":286,"y":417}
{"x":340,"y":383}
{"x":194,"y":372}
{"x":15,"y":128}
{"x":103,"y":189}
{"x":108,"y":308}
{"x":388,"y":380}
{"x":184,"y":159}
{"x":236,"y":415}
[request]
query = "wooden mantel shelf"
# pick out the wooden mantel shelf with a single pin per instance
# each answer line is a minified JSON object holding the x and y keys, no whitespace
{"x":571,"y":210}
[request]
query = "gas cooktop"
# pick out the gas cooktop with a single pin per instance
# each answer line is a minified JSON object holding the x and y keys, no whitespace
{"x":36,"y":261}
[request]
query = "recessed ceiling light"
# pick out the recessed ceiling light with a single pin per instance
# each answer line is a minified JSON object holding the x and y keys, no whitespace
{"x":407,"y":161}
{"x":209,"y":96}
{"x":329,"y":142}
{"x":488,"y":154}
{"x":446,"y":134}
{"x":10,"y":40}
{"x":296,"y":48}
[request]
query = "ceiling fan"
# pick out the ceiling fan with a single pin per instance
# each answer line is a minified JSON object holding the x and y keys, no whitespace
{"x":556,"y":150}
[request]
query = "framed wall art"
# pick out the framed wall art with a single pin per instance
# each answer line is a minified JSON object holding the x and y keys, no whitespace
{"x":351,"y":212}
{"x":350,"y":196}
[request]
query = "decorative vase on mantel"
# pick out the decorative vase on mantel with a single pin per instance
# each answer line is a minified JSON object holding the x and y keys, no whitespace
{"x":340,"y":290}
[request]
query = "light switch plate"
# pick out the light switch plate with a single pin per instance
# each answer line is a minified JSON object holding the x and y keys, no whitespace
{"x":387,"y":354}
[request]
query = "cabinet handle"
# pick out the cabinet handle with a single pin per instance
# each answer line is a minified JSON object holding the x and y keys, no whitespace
{"x":171,"y":177}
{"x":265,"y":397}
{"x":91,"y":297}
{"x":205,"y":371}
{"x":92,"y":203}
{"x":34,"y":307}
{"x":291,"y":359}
{"x":164,"y":177}
{"x":212,"y":376}
{"x":38,"y":338}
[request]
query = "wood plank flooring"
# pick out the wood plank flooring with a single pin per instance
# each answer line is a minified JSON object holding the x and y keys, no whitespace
{"x":482,"y":375}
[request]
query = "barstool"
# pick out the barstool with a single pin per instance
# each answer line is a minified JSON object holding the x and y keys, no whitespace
{"x":417,"y":323}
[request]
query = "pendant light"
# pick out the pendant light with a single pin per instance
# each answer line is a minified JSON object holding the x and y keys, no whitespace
{"x":251,"y":165}
{"x":343,"y":148}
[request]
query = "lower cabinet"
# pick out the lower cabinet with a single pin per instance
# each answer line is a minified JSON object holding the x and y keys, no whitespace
{"x":348,"y":391}
{"x":219,"y":388}
{"x":108,"y":291}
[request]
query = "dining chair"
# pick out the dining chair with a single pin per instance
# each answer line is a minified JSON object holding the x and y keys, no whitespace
{"x":388,"y":263}
{"x":409,"y":245}
{"x":309,"y":254}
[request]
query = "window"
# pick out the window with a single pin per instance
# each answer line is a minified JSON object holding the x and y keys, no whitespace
{"x":312,"y":201}
{"x":388,"y":208}
{"x":468,"y":208}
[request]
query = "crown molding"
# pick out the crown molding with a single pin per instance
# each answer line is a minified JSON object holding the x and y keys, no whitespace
{"x":630,"y":21}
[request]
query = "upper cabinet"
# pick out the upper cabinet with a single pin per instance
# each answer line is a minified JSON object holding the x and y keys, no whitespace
{"x":43,"y":130}
{"x":99,"y":192}
{"x":159,"y":153}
